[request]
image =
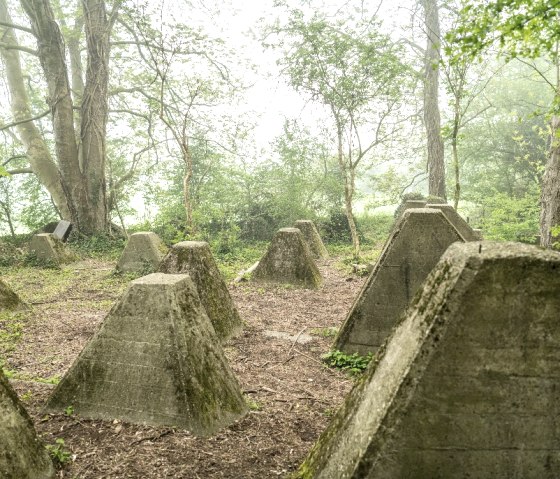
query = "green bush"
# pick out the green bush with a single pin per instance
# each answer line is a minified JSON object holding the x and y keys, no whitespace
{"x":351,"y":363}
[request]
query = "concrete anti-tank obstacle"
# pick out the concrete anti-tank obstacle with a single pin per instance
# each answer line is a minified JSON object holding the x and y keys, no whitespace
{"x":62,"y":230}
{"x":22,"y":454}
{"x":467,"y":385}
{"x":9,"y":300}
{"x":142,"y":254}
{"x":415,"y":246}
{"x":195,"y":259}
{"x":312,"y":238}
{"x":155,"y":360}
{"x":288,"y":260}
{"x":46,"y":247}
{"x":456,"y":220}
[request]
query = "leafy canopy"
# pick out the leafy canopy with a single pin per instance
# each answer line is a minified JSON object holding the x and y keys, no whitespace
{"x":527,"y":28}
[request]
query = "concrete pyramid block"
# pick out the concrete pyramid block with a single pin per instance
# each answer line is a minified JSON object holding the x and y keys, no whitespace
{"x":143,"y":253}
{"x":46,"y":247}
{"x":195,"y":259}
{"x":288,"y":260}
{"x":155,"y":360}
{"x":22,"y":454}
{"x":467,"y":385}
{"x":416,"y":244}
{"x":457,"y":220}
{"x":8,"y":299}
{"x":312,"y":238}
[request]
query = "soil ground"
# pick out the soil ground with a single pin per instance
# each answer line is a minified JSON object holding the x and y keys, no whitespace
{"x":290,"y":392}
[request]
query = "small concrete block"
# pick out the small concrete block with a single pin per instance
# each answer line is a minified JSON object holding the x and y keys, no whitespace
{"x":467,"y":385}
{"x":143,"y":253}
{"x":195,"y":258}
{"x":288,"y":260}
{"x":415,"y":246}
{"x":63,"y":230}
{"x":312,"y":238}
{"x":22,"y":454}
{"x":456,"y":220}
{"x":155,"y":360}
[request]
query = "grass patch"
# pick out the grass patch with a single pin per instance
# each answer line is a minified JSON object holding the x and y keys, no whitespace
{"x":329,"y":332}
{"x":243,"y":257}
{"x":11,"y":329}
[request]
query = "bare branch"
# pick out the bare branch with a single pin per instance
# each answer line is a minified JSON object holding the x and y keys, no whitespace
{"x":20,"y":171}
{"x":10,"y":46}
{"x":17,"y":27}
{"x":26,"y":120}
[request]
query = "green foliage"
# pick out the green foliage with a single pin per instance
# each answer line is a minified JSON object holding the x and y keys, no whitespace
{"x":69,"y":410}
{"x":11,"y":329}
{"x":354,"y":364}
{"x":100,"y":246}
{"x":526,"y":28}
{"x":59,"y":454}
{"x":556,"y":234}
{"x":510,"y":219}
{"x":30,"y":259}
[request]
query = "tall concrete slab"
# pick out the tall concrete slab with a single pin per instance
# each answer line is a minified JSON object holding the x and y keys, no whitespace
{"x":142,"y":254}
{"x":288,"y":260}
{"x":195,"y":258}
{"x":155,"y":360}
{"x":457,"y":220}
{"x":312,"y":238}
{"x":415,"y":246}
{"x":22,"y":454}
{"x":468,"y":384}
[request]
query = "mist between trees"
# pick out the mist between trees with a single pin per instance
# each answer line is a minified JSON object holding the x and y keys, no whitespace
{"x":123,"y":116}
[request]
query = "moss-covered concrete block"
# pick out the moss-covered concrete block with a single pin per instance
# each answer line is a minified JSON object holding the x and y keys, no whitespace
{"x":312,"y":238}
{"x":467,"y":385}
{"x":22,"y":454}
{"x":47,"y":248}
{"x":195,"y":259}
{"x":288,"y":260}
{"x":415,"y":246}
{"x":142,"y":254}
{"x":456,"y":220}
{"x":10,"y":300}
{"x":155,"y":360}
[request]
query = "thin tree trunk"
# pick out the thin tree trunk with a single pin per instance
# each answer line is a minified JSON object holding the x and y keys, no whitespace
{"x":38,"y":152}
{"x":432,"y":120}
{"x":550,"y":194}
{"x":349,"y":185}
{"x":455,"y":153}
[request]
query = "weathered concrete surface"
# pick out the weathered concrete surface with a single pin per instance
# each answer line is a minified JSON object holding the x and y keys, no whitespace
{"x":8,"y":299}
{"x":195,"y":259}
{"x":62,"y":230}
{"x":22,"y":454}
{"x":467,"y":386}
{"x":415,"y":246}
{"x":312,"y":238}
{"x":288,"y":260}
{"x":456,"y":220}
{"x":46,"y":247}
{"x":142,"y":254}
{"x":155,"y":360}
{"x":407,"y":205}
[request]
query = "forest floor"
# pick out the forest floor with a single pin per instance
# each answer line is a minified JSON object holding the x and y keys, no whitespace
{"x":291,"y":394}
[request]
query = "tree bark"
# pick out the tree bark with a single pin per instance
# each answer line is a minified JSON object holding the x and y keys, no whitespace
{"x":432,"y":120}
{"x":40,"y":158}
{"x":550,"y":193}
{"x":349,"y":185}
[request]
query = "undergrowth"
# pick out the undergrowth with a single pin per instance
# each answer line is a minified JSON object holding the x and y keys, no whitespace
{"x":354,"y":364}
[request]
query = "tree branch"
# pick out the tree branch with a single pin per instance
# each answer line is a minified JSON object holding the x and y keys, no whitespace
{"x":17,"y":27}
{"x":27,"y":120}
{"x":20,"y":171}
{"x":10,"y":46}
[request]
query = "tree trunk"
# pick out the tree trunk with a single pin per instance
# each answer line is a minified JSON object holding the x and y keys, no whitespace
{"x":550,"y":194}
{"x":94,"y":111}
{"x":40,"y":158}
{"x":349,"y":184}
{"x":81,"y":158}
{"x":432,"y":121}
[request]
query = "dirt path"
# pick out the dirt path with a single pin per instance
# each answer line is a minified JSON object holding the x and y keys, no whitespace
{"x":292,"y":395}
